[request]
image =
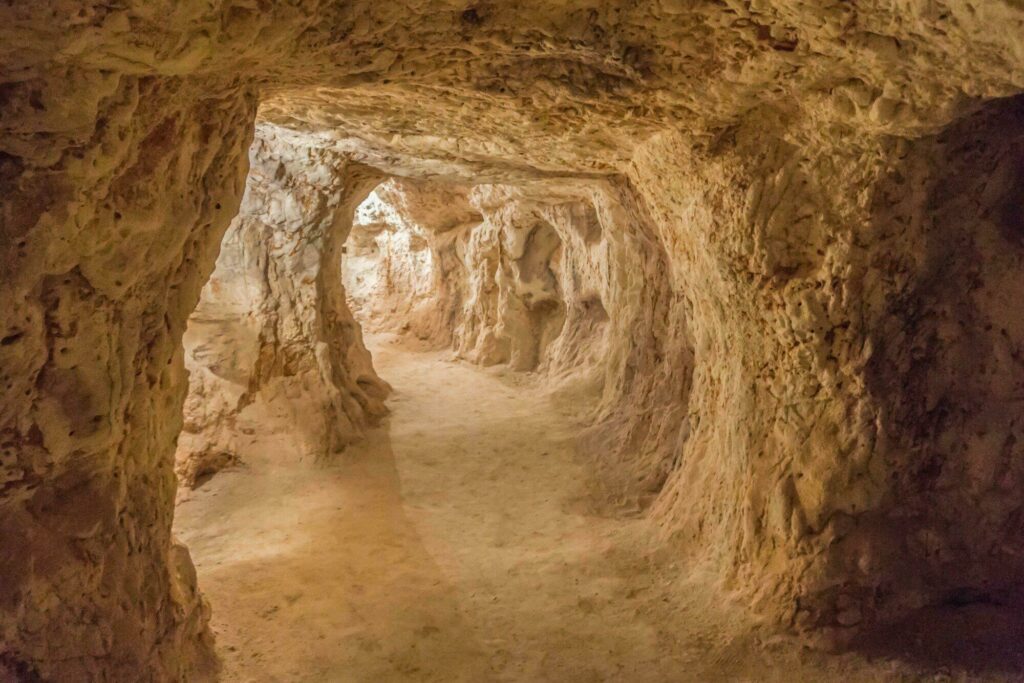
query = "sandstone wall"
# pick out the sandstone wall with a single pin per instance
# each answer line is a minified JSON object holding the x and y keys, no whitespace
{"x":111,"y":223}
{"x":840,"y":480}
{"x":826,"y":440}
{"x":504,"y":274}
{"x":272,"y":345}
{"x":403,"y":268}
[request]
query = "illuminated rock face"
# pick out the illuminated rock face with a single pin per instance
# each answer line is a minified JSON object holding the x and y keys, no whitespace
{"x":504,"y":274}
{"x":403,"y":268}
{"x":809,"y":249}
{"x":272,"y":340}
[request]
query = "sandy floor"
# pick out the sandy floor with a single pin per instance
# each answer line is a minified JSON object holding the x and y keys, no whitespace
{"x":452,"y":547}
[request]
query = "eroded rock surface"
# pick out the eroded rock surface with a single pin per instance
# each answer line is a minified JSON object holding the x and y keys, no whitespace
{"x":493,"y":270}
{"x":814,"y":348}
{"x":272,"y":344}
{"x":403,"y":266}
{"x":109,"y":232}
{"x":805,"y":466}
{"x":564,"y":278}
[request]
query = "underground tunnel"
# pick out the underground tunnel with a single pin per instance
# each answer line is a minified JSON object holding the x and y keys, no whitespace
{"x":558,"y":341}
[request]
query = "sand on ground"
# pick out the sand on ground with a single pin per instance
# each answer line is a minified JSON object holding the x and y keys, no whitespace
{"x":453,"y":545}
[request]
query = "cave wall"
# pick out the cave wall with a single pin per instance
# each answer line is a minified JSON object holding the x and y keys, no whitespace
{"x":946,"y":370}
{"x":514,"y":306}
{"x":751,"y":135}
{"x":842,"y":481}
{"x":502,"y":273}
{"x":781,"y":439}
{"x":403,"y":269}
{"x":101,"y":266}
{"x":272,"y":345}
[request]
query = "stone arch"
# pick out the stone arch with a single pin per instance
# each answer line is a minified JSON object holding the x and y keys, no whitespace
{"x":273,"y":331}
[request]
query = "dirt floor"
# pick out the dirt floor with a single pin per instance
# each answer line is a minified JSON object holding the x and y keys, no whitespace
{"x":453,"y":546}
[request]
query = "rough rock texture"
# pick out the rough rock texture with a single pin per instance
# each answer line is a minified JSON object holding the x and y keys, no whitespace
{"x":272,"y":340}
{"x":565,"y":278}
{"x":505,"y":274}
{"x":822,"y":261}
{"x":111,"y":223}
{"x":402,"y":267}
{"x":847,"y":420}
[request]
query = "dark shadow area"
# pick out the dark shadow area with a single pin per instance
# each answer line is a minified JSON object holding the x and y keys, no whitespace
{"x":976,"y":638}
{"x":948,"y":371}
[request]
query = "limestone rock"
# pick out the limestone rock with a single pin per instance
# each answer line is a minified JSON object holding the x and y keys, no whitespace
{"x":403,"y":268}
{"x":272,"y":340}
{"x":809,"y":249}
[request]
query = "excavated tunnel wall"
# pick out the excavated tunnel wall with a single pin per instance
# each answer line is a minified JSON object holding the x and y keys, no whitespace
{"x":813,"y":227}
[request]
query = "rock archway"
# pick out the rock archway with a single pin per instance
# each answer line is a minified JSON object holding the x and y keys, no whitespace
{"x":272,"y":332}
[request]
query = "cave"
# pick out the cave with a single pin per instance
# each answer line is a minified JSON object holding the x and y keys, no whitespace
{"x":541,"y":341}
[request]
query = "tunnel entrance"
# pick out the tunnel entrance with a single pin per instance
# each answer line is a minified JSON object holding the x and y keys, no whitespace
{"x":319,"y":255}
{"x":401,"y":548}
{"x":497,"y":275}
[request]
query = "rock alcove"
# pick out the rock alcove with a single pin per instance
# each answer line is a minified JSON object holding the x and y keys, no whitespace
{"x":769,"y":252}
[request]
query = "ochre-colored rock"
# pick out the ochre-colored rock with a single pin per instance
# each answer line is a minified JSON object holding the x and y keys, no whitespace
{"x":808,"y":245}
{"x":403,"y":268}
{"x":272,"y":340}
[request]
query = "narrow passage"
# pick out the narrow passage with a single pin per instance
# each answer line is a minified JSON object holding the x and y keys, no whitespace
{"x":453,"y":545}
{"x":450,"y":546}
